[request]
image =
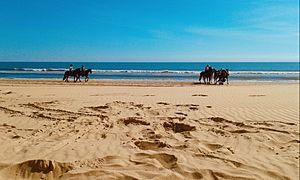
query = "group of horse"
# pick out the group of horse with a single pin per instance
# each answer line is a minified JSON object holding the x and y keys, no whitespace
{"x":214,"y":76}
{"x":77,"y":73}
{"x":209,"y":76}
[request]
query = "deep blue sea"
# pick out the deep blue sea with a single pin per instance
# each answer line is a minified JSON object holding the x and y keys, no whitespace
{"x":178,"y":71}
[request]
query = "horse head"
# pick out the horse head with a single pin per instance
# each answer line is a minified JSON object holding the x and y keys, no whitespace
{"x":65,"y":77}
{"x":227,"y":70}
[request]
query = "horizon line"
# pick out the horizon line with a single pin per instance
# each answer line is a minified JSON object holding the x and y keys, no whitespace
{"x":130,"y":61}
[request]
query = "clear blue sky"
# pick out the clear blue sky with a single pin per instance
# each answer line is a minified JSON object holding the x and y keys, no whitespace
{"x":149,"y":30}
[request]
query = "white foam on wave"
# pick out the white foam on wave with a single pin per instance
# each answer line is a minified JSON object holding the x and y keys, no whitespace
{"x":33,"y":69}
{"x":264,"y":72}
{"x":150,"y":71}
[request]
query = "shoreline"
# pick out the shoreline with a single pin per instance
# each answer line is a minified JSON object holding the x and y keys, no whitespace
{"x":138,"y":83}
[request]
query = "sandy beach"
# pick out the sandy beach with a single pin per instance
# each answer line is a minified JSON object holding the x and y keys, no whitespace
{"x":148,"y":130}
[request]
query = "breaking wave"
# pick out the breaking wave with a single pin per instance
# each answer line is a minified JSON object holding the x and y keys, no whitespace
{"x":146,"y":71}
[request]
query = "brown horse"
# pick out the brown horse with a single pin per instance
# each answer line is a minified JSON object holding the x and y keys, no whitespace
{"x":221,"y":76}
{"x":207,"y":75}
{"x":75,"y":73}
{"x":86,"y":74}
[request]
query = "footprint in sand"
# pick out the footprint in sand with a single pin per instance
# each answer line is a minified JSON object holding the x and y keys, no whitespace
{"x":140,"y":106}
{"x":150,"y":134}
{"x":190,"y":106}
{"x":180,"y":113}
{"x":147,"y":145}
{"x":230,"y":149}
{"x":213,"y":147}
{"x":95,"y":95}
{"x":6,"y":93}
{"x":98,"y":108}
{"x":163,"y":103}
{"x":241,"y":131}
{"x":16,"y":137}
{"x":134,"y":120}
{"x":178,"y":127}
{"x":256,"y":95}
{"x":202,"y":95}
{"x":193,"y":108}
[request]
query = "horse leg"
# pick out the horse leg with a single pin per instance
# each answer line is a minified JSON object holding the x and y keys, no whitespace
{"x":217,"y":78}
{"x":78,"y":78}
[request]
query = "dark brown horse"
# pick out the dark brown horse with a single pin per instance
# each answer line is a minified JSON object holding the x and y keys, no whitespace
{"x":221,"y":76}
{"x":207,"y":75}
{"x":75,"y":73}
{"x":85,"y":73}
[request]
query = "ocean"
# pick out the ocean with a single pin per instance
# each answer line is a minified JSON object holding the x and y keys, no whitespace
{"x":174,"y":71}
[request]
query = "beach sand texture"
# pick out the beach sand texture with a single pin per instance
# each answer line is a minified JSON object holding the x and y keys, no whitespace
{"x":148,"y":130}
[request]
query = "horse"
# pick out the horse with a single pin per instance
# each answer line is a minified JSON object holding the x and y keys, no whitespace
{"x":75,"y":73}
{"x":221,"y":76}
{"x":86,"y":74}
{"x":207,"y":75}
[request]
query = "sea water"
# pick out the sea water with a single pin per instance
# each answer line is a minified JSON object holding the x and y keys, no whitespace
{"x":174,"y":71}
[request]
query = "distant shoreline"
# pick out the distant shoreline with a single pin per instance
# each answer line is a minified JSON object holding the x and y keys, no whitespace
{"x":137,"y":83}
{"x":171,"y":71}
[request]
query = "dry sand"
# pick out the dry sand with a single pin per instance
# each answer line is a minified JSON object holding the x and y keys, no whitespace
{"x":148,"y":130}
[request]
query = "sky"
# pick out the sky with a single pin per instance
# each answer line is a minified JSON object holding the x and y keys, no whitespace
{"x":149,"y":30}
